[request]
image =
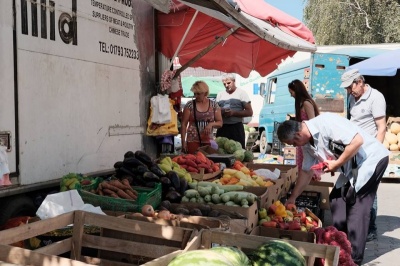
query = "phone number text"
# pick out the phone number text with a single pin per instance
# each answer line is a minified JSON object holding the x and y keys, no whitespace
{"x":118,"y":50}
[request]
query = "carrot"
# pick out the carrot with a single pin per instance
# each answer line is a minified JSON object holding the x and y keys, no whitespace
{"x":192,"y":169}
{"x":110,"y":193}
{"x":190,"y":156}
{"x":123,"y":194}
{"x":117,"y":183}
{"x":191,"y":163}
{"x":126,"y":183}
{"x":106,"y":185}
{"x":131,"y":194}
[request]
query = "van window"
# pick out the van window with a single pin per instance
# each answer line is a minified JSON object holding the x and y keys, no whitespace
{"x":270,"y":93}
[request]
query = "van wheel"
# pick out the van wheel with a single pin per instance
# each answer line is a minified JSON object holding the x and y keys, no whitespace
{"x":264,"y":146}
{"x":16,"y":206}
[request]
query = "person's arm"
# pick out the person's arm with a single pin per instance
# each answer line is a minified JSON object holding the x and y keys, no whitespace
{"x":309,"y":108}
{"x":184,"y":124}
{"x":247,"y":111}
{"x":217,"y":121}
{"x":349,"y":152}
{"x":302,"y":181}
{"x":381,"y":127}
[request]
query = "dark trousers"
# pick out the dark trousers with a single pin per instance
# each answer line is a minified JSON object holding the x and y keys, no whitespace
{"x":372,"y":220}
{"x":354,"y":219}
{"x":233,"y":131}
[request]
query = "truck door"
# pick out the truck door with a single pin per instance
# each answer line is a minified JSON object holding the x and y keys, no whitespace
{"x":7,"y":83}
{"x":326,"y":70}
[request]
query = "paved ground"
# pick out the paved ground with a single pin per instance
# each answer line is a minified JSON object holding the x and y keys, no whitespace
{"x":386,"y":249}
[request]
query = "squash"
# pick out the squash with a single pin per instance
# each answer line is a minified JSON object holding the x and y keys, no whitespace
{"x":394,"y":147}
{"x":391,"y":138}
{"x":386,"y":144}
{"x":395,"y":128}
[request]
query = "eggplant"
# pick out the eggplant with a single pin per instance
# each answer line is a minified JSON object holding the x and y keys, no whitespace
{"x":140,"y":170}
{"x":183,"y":186}
{"x":138,"y":181}
{"x":144,"y":158}
{"x":118,"y":164}
{"x":173,"y":176}
{"x":166,"y":204}
{"x":132,"y":162}
{"x":125,"y":171}
{"x":173,"y":196}
{"x":151,"y":184}
{"x":129,"y":154}
{"x":150,"y":177}
{"x":157,"y":170}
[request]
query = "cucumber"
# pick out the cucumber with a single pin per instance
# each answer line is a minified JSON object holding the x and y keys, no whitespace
{"x":215,"y":198}
{"x":191,"y":193}
{"x":227,"y":188}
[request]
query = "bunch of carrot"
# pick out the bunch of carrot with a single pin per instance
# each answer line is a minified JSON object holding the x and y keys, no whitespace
{"x":194,"y":162}
{"x":117,"y":189}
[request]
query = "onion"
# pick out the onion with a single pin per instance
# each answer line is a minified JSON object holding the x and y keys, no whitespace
{"x":164,"y":214}
{"x":147,"y":210}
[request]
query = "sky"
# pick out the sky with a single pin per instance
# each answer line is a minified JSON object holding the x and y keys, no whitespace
{"x":291,"y":7}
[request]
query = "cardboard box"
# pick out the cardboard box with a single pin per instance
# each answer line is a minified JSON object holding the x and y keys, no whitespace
{"x":296,"y":235}
{"x":392,"y":171}
{"x":240,"y":220}
{"x":289,"y":153}
{"x":151,"y":241}
{"x":248,"y":243}
{"x":203,"y":177}
{"x":192,"y":222}
{"x":324,"y":188}
{"x":260,"y":192}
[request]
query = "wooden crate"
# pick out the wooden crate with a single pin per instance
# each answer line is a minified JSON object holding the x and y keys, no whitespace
{"x":247,"y":243}
{"x":151,"y":241}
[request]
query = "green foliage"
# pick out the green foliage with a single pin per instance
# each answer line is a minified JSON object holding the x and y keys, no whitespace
{"x":353,"y":21}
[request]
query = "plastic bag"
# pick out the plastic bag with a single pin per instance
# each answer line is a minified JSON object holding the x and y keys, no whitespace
{"x":268,"y":174}
{"x":63,"y":202}
{"x":171,"y":128}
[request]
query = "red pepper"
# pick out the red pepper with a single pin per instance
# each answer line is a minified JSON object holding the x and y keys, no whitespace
{"x":319,"y":166}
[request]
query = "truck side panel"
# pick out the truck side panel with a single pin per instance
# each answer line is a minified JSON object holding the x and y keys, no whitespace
{"x":326,"y":70}
{"x":79,"y":87}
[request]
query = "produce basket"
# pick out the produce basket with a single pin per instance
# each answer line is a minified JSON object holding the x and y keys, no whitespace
{"x":310,"y":200}
{"x":146,"y":195}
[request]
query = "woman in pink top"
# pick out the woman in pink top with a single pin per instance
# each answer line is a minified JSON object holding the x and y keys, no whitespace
{"x":306,"y":108}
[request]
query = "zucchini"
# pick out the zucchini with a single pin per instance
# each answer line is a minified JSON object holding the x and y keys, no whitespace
{"x":227,"y":188}
{"x":191,"y":193}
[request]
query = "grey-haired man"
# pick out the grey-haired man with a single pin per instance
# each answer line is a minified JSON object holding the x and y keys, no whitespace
{"x":367,"y":109}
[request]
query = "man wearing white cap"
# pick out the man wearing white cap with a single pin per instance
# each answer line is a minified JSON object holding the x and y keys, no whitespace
{"x":367,"y":109}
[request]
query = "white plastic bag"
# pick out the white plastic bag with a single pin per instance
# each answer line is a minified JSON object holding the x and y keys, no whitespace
{"x":268,"y":174}
{"x":63,"y":202}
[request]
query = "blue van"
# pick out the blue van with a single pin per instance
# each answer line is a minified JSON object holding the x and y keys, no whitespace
{"x":321,"y":74}
{"x":278,"y":103}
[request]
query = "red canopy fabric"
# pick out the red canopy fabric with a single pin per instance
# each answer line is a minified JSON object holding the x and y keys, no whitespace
{"x":241,"y":52}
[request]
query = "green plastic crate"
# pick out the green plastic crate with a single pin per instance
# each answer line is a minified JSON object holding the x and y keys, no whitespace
{"x":146,"y":195}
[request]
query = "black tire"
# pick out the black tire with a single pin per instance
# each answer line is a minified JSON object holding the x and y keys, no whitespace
{"x":15,"y":206}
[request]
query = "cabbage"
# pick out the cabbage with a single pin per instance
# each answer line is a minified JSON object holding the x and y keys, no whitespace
{"x":248,"y":156}
{"x":252,"y":130}
{"x":230,"y":146}
{"x":221,"y":151}
{"x":246,"y":127}
{"x":239,"y":155}
{"x":238,"y":146}
{"x":220,"y":141}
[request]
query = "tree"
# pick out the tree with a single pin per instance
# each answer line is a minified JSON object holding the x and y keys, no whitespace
{"x":353,"y":21}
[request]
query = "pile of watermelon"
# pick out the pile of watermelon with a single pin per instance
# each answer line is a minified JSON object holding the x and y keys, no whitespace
{"x":274,"y":252}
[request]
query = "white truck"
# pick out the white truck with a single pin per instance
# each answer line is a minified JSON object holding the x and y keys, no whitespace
{"x":74,"y":90}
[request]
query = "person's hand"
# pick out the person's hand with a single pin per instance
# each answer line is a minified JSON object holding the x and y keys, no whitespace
{"x":207,"y":130}
{"x":184,"y":147}
{"x":227,"y":113}
{"x":290,"y":200}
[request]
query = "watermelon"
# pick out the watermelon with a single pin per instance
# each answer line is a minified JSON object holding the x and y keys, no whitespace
{"x":234,"y":255}
{"x":200,"y":258}
{"x":277,"y":253}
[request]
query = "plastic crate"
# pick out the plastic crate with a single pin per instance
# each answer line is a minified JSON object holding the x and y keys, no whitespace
{"x":146,"y":195}
{"x":93,"y":186}
{"x":310,"y":200}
